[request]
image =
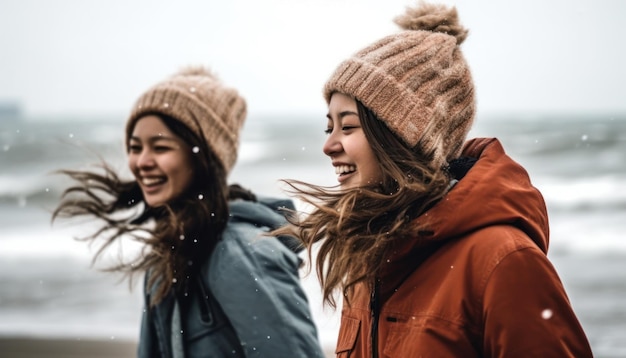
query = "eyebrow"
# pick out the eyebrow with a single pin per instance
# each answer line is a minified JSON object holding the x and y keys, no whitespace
{"x":343,"y":114}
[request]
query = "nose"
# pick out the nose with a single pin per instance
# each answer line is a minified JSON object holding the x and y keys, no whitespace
{"x":145,"y":159}
{"x":332,"y":145}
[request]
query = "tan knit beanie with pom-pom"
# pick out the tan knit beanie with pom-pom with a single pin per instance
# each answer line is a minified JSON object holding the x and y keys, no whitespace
{"x":416,"y":81}
{"x":195,"y":96}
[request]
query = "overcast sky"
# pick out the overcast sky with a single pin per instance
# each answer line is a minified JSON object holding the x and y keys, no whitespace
{"x":94,"y":57}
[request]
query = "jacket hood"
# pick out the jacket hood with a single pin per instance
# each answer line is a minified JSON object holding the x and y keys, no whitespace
{"x":495,"y":191}
{"x":266,"y":212}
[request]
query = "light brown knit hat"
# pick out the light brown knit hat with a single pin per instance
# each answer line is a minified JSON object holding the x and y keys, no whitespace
{"x":416,"y":81}
{"x":198,"y":99}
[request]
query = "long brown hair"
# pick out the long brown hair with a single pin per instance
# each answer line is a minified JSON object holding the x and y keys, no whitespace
{"x":360,"y":224}
{"x":177,"y":236}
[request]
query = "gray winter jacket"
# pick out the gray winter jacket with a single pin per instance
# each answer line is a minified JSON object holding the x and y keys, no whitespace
{"x":247,"y":301}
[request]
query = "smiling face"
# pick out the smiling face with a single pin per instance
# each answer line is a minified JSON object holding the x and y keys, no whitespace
{"x":347,"y":146}
{"x":161,"y":161}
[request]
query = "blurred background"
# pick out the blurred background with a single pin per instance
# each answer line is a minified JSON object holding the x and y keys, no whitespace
{"x":549,"y":79}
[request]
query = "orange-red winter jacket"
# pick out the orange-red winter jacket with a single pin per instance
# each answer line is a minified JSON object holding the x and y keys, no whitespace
{"x":486,"y":287}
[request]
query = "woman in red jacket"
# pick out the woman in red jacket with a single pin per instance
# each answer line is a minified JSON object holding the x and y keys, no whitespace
{"x":437,"y":244}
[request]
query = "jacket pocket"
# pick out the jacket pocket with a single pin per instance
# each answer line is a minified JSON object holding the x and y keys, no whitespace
{"x":348,"y":334}
{"x":207,"y":329}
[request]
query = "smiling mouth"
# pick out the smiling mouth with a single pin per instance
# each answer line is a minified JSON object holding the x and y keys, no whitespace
{"x":152,"y":181}
{"x":344,"y":169}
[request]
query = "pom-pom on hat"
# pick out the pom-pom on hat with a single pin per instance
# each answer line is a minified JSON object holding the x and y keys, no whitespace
{"x":195,"y":96}
{"x":416,"y":81}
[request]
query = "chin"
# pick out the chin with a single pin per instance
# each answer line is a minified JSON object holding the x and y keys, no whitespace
{"x":154,"y":202}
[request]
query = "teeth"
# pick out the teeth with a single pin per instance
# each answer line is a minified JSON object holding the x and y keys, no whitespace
{"x":151,"y":181}
{"x":343,"y":169}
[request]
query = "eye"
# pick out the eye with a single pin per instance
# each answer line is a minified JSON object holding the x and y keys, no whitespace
{"x":328,"y":130}
{"x":348,"y":128}
{"x":161,"y":148}
{"x":134,"y":148}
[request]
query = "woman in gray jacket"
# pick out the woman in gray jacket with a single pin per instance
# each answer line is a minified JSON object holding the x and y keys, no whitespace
{"x":216,"y":285}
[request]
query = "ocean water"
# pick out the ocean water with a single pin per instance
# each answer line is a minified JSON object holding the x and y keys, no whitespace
{"x":48,"y":288}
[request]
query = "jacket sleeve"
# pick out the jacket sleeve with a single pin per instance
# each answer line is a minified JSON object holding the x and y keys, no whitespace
{"x":526,"y":312}
{"x":256,"y":281}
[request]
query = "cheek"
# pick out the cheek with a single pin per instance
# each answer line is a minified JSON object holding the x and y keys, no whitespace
{"x":353,"y":147}
{"x":359,"y":147}
{"x":186,"y":172}
{"x":368,"y":159}
{"x":132,"y":162}
{"x":187,"y":176}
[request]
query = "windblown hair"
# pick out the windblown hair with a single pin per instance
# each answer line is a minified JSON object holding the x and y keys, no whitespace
{"x":177,"y":236}
{"x":360,"y":225}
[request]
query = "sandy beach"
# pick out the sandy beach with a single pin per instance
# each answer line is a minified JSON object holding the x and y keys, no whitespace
{"x":18,"y":347}
{"x":67,"y":348}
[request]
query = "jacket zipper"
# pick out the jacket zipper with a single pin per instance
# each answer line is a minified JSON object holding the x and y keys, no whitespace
{"x":375,"y":309}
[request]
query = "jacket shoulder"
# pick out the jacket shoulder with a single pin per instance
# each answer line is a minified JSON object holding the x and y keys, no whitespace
{"x":498,"y":240}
